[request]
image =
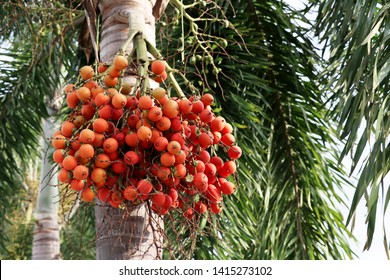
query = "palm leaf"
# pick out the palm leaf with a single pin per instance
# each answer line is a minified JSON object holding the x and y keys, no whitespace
{"x":358,"y":38}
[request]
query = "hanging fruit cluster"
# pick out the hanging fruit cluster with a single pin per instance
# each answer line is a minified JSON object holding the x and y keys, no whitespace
{"x":129,"y":144}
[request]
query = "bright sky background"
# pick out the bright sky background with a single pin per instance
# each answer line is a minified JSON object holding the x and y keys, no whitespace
{"x":377,"y":251}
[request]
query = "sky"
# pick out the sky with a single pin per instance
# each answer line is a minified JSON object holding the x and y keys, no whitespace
{"x":377,"y":251}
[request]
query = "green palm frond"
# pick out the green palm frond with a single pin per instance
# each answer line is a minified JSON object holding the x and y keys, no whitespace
{"x":289,"y":180}
{"x":32,"y":67}
{"x":357,"y":35}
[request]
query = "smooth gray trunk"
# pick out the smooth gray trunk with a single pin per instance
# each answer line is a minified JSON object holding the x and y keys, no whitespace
{"x":125,"y":234}
{"x":46,"y":240}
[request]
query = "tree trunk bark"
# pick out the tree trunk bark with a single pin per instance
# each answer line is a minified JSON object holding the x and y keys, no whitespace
{"x":46,"y":240}
{"x":126,"y":233}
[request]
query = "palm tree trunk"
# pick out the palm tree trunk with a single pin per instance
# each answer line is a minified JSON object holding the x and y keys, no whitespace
{"x":126,"y":234}
{"x":46,"y":240}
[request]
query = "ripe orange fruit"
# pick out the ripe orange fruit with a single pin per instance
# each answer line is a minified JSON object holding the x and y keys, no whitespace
{"x":132,"y":120}
{"x":200,"y":181}
{"x":210,"y":170}
{"x":130,"y":193}
{"x":167,"y":159}
{"x":204,"y":156}
{"x":110,"y":81}
{"x":88,"y":110}
{"x":91,"y":85}
{"x":206,"y":115}
{"x":72,"y":99}
{"x":161,"y":77}
{"x":116,"y":199}
{"x":86,"y":136}
{"x":102,"y":161}
{"x":67,"y":128}
{"x":64,"y":176}
{"x":132,"y":139}
{"x":189,"y":213}
{"x":228,"y":188}
{"x":185,"y":106}
{"x":157,"y":67}
{"x":155,"y":134}
{"x":213,"y":193}
{"x":131,"y":158}
{"x":234,"y":152}
{"x":144,"y":187}
{"x":163,"y":173}
{"x":111,"y":92}
{"x":58,"y":141}
{"x":95,"y":91}
{"x":69,"y":162}
{"x":114,"y":73}
{"x":119,"y":101}
{"x":69,"y":88}
{"x":170,"y":109}
{"x":120,"y":62}
{"x":217,"y":137}
{"x":163,"y":100}
{"x":180,"y":157}
{"x":216,"y":208}
{"x":98,"y":175}
{"x":77,"y":185}
{"x":227,"y":169}
{"x":172,"y":192}
{"x":100,"y":125}
{"x":217,"y":124}
{"x":207,"y":99}
{"x":87,"y":195}
{"x":228,"y":139}
{"x":174,"y":147}
{"x":197,"y":106}
{"x":86,"y":151}
{"x":163,"y":124}
{"x":179,"y":171}
{"x":102,"y":67}
{"x":158,"y":199}
{"x":145,"y":102}
{"x":200,"y":207}
{"x":86,"y":72}
{"x":101,"y":99}
{"x":168,"y":202}
{"x":228,"y":128}
{"x":205,"y":141}
{"x":155,"y":114}
{"x":75,"y":144}
{"x":119,"y":166}
{"x":106,"y":111}
{"x":84,"y":93}
{"x":104,"y":194}
{"x":161,"y":144}
{"x":144,"y":133}
{"x":179,"y":138}
{"x":80,"y":172}
{"x":110,"y":145}
{"x":98,"y":140}
{"x":58,"y":155}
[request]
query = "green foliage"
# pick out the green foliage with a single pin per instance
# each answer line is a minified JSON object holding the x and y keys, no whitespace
{"x":17,"y":227}
{"x":36,"y":50}
{"x":78,"y":235}
{"x":358,"y":38}
{"x":267,"y":86}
